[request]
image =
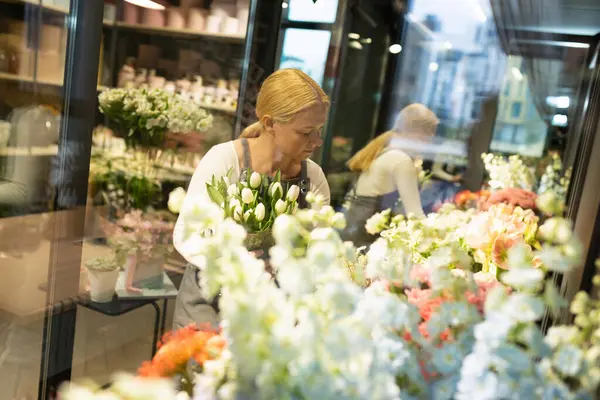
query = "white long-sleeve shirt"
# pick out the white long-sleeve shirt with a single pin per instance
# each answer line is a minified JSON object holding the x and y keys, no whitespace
{"x":392,"y":171}
{"x":217,"y":162}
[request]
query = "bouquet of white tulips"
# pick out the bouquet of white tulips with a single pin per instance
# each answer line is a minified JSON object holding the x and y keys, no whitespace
{"x":254,"y":202}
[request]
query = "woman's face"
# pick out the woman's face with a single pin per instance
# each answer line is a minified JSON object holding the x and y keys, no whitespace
{"x":300,"y":137}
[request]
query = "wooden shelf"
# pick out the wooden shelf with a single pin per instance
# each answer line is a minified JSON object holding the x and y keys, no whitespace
{"x":29,"y":151}
{"x":223,"y":109}
{"x":27,"y":79}
{"x":179,"y":32}
{"x":38,"y":3}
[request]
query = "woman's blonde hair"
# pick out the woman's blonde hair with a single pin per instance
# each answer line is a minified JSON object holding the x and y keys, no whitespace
{"x":414,"y":119}
{"x":282,"y":95}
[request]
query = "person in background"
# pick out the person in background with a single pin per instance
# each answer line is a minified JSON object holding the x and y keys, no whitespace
{"x":291,"y":110}
{"x":388,"y":178}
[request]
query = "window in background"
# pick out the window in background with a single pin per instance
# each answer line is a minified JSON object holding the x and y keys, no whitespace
{"x":297,"y":53}
{"x":306,"y":11}
{"x":516,"y":110}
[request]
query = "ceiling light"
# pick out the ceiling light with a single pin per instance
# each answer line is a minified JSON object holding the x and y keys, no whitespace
{"x":434,"y":66}
{"x":284,"y":5}
{"x":560,"y":120}
{"x":516,"y":73}
{"x":356,"y":45}
{"x":147,"y":4}
{"x":354,"y":36}
{"x":395,"y":48}
{"x":558,"y":101}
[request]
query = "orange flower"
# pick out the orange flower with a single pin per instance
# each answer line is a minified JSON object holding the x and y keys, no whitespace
{"x":502,"y":244}
{"x":178,"y":347}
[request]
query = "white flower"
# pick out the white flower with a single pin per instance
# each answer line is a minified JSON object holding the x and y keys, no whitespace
{"x":568,"y":360}
{"x":524,"y":278}
{"x":259,"y":212}
{"x":523,"y":307}
{"x":558,"y":230}
{"x":238,"y":212}
{"x":293,"y":193}
{"x":549,"y":203}
{"x":376,"y":223}
{"x":280,"y":207}
{"x":276,"y":190}
{"x":310,"y":197}
{"x":247,"y":215}
{"x":255,"y":180}
{"x":338,"y":221}
{"x":176,"y":198}
{"x":247,"y":196}
{"x":233,"y":190}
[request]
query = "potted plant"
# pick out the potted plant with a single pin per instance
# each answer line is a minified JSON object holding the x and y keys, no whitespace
{"x":103,"y":273}
{"x":141,"y":241}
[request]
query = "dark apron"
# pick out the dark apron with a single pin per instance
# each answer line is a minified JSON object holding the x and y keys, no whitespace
{"x":360,"y":208}
{"x":190,"y":306}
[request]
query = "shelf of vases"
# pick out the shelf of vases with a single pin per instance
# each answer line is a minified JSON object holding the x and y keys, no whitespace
{"x":167,"y":31}
{"x":29,"y":151}
{"x":28,"y":79}
{"x":43,"y":4}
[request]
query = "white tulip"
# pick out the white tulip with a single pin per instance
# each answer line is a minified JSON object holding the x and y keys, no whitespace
{"x":276,"y":190}
{"x":226,"y":180}
{"x":247,"y":215}
{"x":293,"y":193}
{"x":310,"y":197}
{"x":260,"y":211}
{"x":237,"y":213}
{"x":280,"y":207}
{"x":232,"y":190}
{"x":247,"y":196}
{"x":234,"y":203}
{"x":176,"y":198}
{"x":255,"y":180}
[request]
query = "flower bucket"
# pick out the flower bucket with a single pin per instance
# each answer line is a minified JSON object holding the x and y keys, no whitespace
{"x":145,"y":272}
{"x":102,"y":285}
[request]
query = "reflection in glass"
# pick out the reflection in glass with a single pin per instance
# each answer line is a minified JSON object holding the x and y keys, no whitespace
{"x":308,"y":11}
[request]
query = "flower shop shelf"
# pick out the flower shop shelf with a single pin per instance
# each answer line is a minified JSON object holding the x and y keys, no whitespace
{"x":40,"y":3}
{"x":179,"y":32}
{"x":29,"y":151}
{"x":29,"y":80}
{"x":223,"y":109}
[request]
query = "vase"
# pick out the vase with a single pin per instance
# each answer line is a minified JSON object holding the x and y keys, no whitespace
{"x":144,"y":272}
{"x":102,"y":285}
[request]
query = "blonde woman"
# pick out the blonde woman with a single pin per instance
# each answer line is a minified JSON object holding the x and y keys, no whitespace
{"x":291,"y":110}
{"x":388,"y":177}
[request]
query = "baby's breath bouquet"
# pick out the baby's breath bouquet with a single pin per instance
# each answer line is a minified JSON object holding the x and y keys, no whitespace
{"x":254,"y":202}
{"x":511,"y":173}
{"x":144,"y":117}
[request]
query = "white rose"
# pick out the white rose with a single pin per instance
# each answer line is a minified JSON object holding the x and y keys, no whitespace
{"x":259,"y":213}
{"x":232,"y":190}
{"x":247,"y":196}
{"x":176,"y":198}
{"x":293,"y":193}
{"x":276,"y":190}
{"x":255,"y":180}
{"x":280,"y":207}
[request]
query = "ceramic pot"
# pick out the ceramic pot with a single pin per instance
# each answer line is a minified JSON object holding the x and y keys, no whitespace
{"x":197,"y":19}
{"x":131,"y":13}
{"x":175,"y":18}
{"x":231,"y":26}
{"x":213,"y":23}
{"x":154,"y":18}
{"x":102,"y":285}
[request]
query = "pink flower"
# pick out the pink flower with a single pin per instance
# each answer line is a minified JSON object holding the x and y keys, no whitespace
{"x":502,"y":244}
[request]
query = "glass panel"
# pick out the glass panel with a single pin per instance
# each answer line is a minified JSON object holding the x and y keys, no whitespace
{"x":32,"y":60}
{"x":322,"y":11}
{"x":310,"y":59}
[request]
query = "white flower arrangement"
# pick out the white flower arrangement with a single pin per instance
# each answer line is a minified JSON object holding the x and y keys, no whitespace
{"x":144,"y":116}
{"x":505,"y":174}
{"x":255,"y":201}
{"x":554,"y":181}
{"x":123,"y":387}
{"x":102,"y":264}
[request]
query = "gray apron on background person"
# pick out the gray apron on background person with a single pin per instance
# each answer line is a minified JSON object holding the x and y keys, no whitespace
{"x":190,"y":306}
{"x":358,"y":209}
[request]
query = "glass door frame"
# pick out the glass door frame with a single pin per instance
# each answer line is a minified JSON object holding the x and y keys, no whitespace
{"x":84,"y":24}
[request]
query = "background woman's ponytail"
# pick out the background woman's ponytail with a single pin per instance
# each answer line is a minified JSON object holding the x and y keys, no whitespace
{"x":252,"y":131}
